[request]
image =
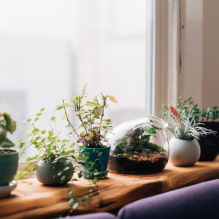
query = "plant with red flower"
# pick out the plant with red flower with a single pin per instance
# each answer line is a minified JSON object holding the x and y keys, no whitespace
{"x":185,"y":125}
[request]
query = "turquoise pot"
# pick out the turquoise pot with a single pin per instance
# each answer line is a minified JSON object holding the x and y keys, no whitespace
{"x":95,"y":162}
{"x":8,"y":166}
{"x":54,"y":173}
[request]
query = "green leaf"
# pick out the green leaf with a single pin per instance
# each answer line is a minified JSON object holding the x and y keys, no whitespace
{"x":92,"y":104}
{"x":10,"y":123}
{"x":66,"y":169}
{"x":75,"y":205}
{"x":6,"y":143}
{"x":59,"y":173}
{"x":150,"y":131}
{"x":97,"y":112}
{"x":64,"y":105}
{"x":53,"y":118}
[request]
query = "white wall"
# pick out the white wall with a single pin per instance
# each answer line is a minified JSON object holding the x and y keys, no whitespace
{"x":199,"y":73}
{"x":210,"y":53}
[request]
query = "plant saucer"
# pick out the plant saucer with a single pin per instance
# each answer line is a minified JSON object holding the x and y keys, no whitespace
{"x":6,"y":190}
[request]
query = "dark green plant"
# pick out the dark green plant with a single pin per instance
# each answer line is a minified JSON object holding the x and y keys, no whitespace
{"x":7,"y":125}
{"x":90,"y":113}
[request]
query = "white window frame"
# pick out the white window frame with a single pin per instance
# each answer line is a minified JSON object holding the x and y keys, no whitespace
{"x":167,"y":53}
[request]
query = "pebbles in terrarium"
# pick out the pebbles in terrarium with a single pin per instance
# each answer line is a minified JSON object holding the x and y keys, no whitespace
{"x":137,"y":146}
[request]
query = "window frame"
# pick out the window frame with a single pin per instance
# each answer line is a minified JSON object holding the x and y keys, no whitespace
{"x":166,"y":72}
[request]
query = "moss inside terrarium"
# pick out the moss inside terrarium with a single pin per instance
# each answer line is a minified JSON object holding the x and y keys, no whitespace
{"x":135,"y":153}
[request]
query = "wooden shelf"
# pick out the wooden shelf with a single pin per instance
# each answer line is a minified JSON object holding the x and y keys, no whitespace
{"x":34,"y":200}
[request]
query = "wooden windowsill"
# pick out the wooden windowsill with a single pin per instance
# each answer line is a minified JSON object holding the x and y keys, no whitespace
{"x":33,"y":200}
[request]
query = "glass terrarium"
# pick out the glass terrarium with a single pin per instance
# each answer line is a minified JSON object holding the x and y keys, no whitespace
{"x":139,"y":146}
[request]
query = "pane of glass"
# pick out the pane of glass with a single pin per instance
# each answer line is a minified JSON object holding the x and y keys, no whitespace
{"x":51,"y":48}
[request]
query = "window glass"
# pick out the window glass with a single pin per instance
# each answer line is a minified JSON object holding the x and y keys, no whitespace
{"x":51,"y":48}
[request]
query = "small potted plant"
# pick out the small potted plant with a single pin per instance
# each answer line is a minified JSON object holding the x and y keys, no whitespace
{"x":52,"y":160}
{"x":184,"y":147}
{"x":8,"y":156}
{"x":91,"y":131}
{"x":207,"y":118}
{"x":138,"y":146}
{"x":210,"y":143}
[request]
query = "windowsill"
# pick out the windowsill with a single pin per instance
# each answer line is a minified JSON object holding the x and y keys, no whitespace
{"x":31,"y":199}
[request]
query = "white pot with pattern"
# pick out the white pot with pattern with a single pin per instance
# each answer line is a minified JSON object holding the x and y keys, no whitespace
{"x":183,"y":152}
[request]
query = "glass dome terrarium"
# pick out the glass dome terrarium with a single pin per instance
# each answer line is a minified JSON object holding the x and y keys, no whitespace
{"x":139,"y":146}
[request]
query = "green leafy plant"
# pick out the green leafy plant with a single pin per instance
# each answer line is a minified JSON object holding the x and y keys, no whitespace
{"x":49,"y":144}
{"x":185,"y":120}
{"x":52,"y":147}
{"x":187,"y":106}
{"x":90,"y":113}
{"x":7,"y":125}
{"x":90,"y":131}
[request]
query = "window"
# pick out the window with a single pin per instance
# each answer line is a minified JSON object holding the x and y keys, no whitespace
{"x":50,"y":48}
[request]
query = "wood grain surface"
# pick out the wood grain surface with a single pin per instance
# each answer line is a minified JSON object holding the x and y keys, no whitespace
{"x":33,"y":200}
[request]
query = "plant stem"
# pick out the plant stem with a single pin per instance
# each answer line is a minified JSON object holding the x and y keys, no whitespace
{"x":102,"y":113}
{"x":70,"y":122}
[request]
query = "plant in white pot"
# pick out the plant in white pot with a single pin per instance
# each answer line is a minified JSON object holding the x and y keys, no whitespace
{"x":91,"y":131}
{"x":8,"y":156}
{"x":184,"y":147}
{"x":52,"y":160}
{"x":208,"y":118}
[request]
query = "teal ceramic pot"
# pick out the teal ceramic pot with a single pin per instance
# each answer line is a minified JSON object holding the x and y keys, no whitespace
{"x":8,"y":166}
{"x":54,"y":173}
{"x":95,"y":162}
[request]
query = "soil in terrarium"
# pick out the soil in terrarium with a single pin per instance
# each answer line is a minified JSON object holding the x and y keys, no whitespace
{"x":138,"y":163}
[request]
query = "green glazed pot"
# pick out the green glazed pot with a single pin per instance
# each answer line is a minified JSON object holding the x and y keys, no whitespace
{"x":54,"y":173}
{"x":8,"y":166}
{"x":95,"y":162}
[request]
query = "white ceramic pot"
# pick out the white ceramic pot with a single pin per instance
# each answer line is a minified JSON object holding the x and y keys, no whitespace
{"x":183,"y":152}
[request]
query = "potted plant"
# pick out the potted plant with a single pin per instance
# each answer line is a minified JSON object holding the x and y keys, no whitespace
{"x":8,"y":156}
{"x":52,"y":160}
{"x":184,"y":147}
{"x":208,"y":118}
{"x":138,"y":146}
{"x":91,"y":131}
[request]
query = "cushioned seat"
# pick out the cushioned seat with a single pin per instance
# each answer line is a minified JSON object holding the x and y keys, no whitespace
{"x":101,"y":215}
{"x":196,"y":201}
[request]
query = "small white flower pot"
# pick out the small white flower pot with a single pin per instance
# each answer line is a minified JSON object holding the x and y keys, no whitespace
{"x":183,"y":152}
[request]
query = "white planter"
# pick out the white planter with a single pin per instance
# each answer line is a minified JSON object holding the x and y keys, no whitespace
{"x":183,"y":152}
